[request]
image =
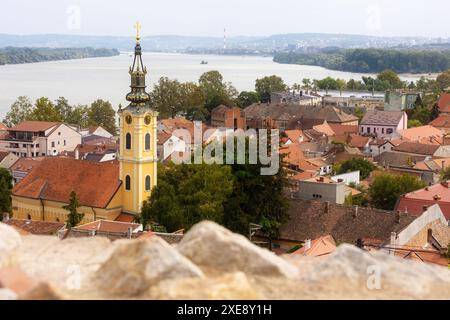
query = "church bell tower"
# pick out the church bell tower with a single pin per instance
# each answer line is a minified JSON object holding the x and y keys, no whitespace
{"x":138,"y":122}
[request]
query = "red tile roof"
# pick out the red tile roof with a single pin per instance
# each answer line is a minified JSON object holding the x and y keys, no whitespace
{"x":443,"y":121}
{"x":125,"y":217}
{"x":26,"y":164}
{"x":36,"y":227}
{"x":108,"y":226}
{"x":319,"y":247}
{"x":417,"y":148}
{"x":55,"y":178}
{"x":341,"y":129}
{"x":34,"y":126}
{"x":358,"y":141}
{"x":415,"y":201}
{"x":444,"y":102}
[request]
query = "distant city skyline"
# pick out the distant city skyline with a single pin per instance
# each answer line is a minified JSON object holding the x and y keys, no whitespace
{"x":240,"y":18}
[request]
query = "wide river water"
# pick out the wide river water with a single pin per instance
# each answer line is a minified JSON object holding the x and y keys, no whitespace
{"x":83,"y":81}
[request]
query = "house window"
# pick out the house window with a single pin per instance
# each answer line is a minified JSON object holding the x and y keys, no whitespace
{"x":37,"y":145}
{"x":24,"y":145}
{"x":368,"y":129}
{"x":127,"y":183}
{"x":147,"y":141}
{"x":53,"y":144}
{"x":147,"y":183}
{"x":128,"y":141}
{"x":389,"y":131}
{"x":29,"y":217}
{"x":382,"y":130}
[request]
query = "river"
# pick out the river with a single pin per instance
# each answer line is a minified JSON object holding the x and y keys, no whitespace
{"x":83,"y":81}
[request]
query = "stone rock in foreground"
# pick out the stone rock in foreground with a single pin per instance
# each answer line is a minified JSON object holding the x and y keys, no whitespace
{"x":136,"y":265}
{"x":213,"y":247}
{"x":9,"y":241}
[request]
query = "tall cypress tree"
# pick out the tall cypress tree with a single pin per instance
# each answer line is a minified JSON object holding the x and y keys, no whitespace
{"x":74,"y":217}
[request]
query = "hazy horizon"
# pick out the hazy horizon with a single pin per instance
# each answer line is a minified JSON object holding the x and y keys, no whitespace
{"x":207,"y":18}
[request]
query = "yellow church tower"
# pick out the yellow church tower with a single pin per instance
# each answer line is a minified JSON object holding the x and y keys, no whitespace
{"x":137,"y":155}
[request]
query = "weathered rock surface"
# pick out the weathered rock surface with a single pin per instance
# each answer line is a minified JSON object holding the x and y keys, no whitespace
{"x":210,"y":263}
{"x":136,"y":265}
{"x":215,"y":248}
{"x":9,"y":241}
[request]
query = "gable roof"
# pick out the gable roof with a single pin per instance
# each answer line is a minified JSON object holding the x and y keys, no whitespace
{"x":442,"y":121}
{"x":55,"y":178}
{"x":393,"y":158}
{"x":444,"y":102}
{"x":108,"y":226}
{"x":358,"y":141}
{"x":309,"y":219}
{"x":382,"y":118}
{"x":341,"y":129}
{"x":319,"y":247}
{"x":294,"y":135}
{"x":34,"y":126}
{"x":417,"y":148}
{"x":421,"y":133}
{"x":35,"y":227}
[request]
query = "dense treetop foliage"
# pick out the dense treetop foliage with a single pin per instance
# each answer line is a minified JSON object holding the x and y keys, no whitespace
{"x":16,"y":55}
{"x":372,"y":60}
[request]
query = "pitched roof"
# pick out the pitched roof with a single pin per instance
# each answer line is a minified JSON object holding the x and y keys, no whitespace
{"x":3,"y":155}
{"x":221,"y":109}
{"x":414,"y":202}
{"x":26,"y":164}
{"x":162,"y":137}
{"x":420,"y":133}
{"x":55,"y":178}
{"x":34,"y":126}
{"x":295,"y":111}
{"x":444,"y":102}
{"x":417,"y":148}
{"x":310,"y":219}
{"x":294,"y":135}
{"x":36,"y":227}
{"x":324,"y":128}
{"x":383,"y":118}
{"x":358,"y":141}
{"x":319,"y":247}
{"x":108,"y":226}
{"x":3,"y":126}
{"x":295,"y":157}
{"x":341,"y":129}
{"x":442,"y":121}
{"x":393,"y":158}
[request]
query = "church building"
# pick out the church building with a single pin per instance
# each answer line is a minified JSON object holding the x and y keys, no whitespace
{"x":111,"y":191}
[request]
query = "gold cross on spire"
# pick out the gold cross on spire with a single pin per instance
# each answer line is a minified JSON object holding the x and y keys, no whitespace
{"x":138,"y":27}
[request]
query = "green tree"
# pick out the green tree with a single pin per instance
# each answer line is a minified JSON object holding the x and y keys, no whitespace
{"x":5,"y":192}
{"x":74,"y":217}
{"x":386,"y":189}
{"x":64,"y":108}
{"x":327,"y":83}
{"x":445,"y":174}
{"x":306,"y":84}
{"x":193,"y":101}
{"x":365,"y":167}
{"x":412,"y":123}
{"x":268,"y":85}
{"x":443,"y":80}
{"x":166,"y":97}
{"x":101,"y":113}
{"x":78,"y":115}
{"x":20,"y":110}
{"x":187,"y":194}
{"x":359,"y":113}
{"x":216,"y":91}
{"x":390,"y":77}
{"x":45,"y":110}
{"x":341,"y":85}
{"x":247,"y":98}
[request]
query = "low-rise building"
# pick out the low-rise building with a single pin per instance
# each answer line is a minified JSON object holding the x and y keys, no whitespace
{"x":399,"y":100}
{"x":228,"y":117}
{"x":40,"y":138}
{"x":323,"y":189}
{"x":383,"y":124}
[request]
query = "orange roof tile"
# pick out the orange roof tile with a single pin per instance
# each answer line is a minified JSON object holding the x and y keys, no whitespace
{"x":3,"y":126}
{"x":324,"y":128}
{"x":443,"y":121}
{"x":358,"y":141}
{"x":422,"y":133}
{"x":34,"y":126}
{"x":294,"y":135}
{"x":55,"y":178}
{"x":340,"y":129}
{"x":444,"y":102}
{"x":108,"y":226}
{"x":319,"y":247}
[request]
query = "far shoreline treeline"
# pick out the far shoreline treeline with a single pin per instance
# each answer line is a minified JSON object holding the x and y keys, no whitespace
{"x":20,"y":55}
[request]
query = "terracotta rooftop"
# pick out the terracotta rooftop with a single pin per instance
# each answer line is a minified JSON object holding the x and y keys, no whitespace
{"x":26,"y":164}
{"x":420,"y":133}
{"x":55,"y":178}
{"x":415,"y":201}
{"x":310,"y":219}
{"x":34,"y":126}
{"x":378,"y":117}
{"x":442,"y":121}
{"x":294,"y":135}
{"x":444,"y":102}
{"x":36,"y":227}
{"x":417,"y":148}
{"x":108,"y":226}
{"x":358,"y":141}
{"x":3,"y":126}
{"x":318,"y":247}
{"x":163,"y":137}
{"x":325,"y":129}
{"x":340,"y":129}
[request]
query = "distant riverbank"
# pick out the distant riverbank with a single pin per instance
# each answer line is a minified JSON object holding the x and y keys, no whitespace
{"x":19,"y":55}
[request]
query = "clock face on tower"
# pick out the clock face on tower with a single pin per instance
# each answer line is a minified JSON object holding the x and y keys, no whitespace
{"x":128,"y":119}
{"x":147,"y":119}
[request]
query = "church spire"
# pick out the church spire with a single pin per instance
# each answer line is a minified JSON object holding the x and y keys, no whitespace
{"x":138,"y":96}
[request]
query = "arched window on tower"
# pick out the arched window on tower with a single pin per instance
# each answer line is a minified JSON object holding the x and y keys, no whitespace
{"x":147,"y":141}
{"x":127,"y":183}
{"x":148,"y":185}
{"x":128,"y":141}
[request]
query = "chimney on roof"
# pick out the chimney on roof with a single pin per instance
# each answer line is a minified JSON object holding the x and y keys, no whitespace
{"x":129,"y":232}
{"x":355,"y":211}
{"x":77,"y":154}
{"x":327,"y":206}
{"x":398,"y":216}
{"x":307,"y":245}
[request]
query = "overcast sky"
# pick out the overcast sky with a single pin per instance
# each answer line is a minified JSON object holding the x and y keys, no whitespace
{"x":240,"y":17}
